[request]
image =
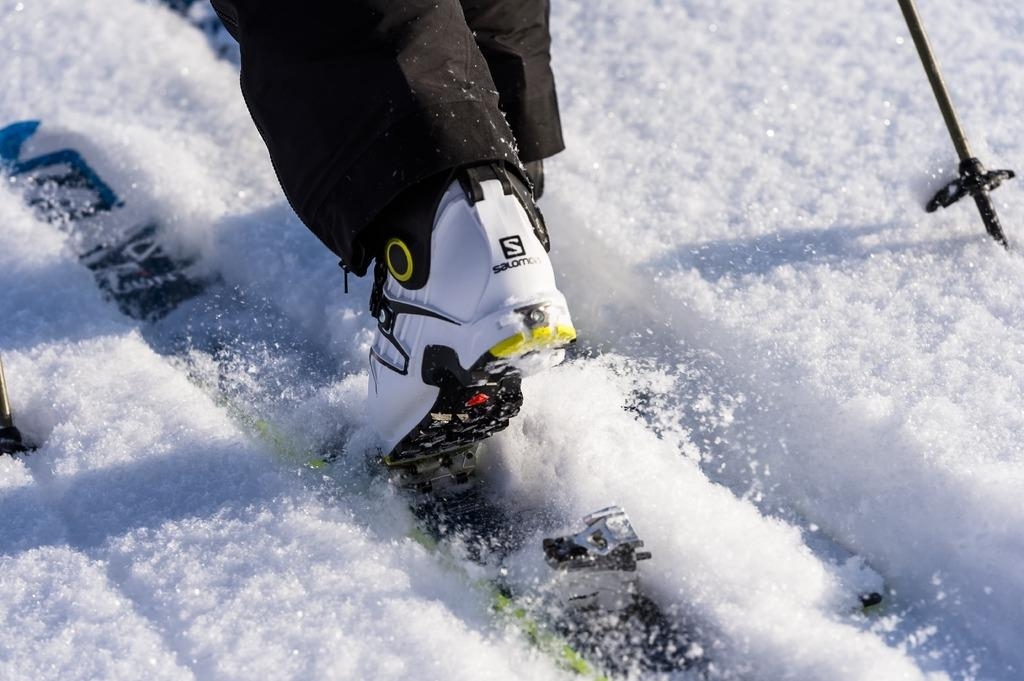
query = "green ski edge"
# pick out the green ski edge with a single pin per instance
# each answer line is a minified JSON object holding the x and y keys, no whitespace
{"x":512,"y":612}
{"x":545,"y":640}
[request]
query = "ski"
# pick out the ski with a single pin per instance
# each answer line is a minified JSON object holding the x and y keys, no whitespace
{"x":588,"y":609}
{"x":127,"y":260}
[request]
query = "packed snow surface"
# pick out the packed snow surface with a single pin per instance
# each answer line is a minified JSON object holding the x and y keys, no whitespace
{"x":781,"y":354}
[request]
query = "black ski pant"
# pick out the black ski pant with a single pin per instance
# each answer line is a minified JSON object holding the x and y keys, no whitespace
{"x":359,"y":100}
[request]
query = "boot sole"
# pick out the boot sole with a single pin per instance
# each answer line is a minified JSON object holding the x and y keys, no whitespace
{"x":474,"y":404}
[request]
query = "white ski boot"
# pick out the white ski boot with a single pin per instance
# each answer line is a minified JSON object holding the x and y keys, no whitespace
{"x":456,"y":328}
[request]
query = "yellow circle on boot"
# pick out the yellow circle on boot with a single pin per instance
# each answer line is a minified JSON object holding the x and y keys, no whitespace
{"x":397,"y":252}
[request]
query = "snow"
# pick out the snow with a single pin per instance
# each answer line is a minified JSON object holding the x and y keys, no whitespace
{"x":804,"y":353}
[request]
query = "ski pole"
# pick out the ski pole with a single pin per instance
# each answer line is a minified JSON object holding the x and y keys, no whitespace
{"x":10,"y":438}
{"x":6,"y":417}
{"x":974,"y":180}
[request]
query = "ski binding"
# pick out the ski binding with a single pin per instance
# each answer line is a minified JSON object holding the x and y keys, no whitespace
{"x":598,"y":566}
{"x":444,"y":471}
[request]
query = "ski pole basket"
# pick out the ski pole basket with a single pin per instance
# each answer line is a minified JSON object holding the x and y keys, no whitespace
{"x":974,"y":180}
